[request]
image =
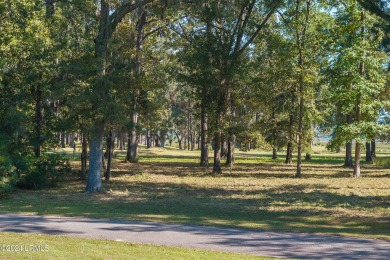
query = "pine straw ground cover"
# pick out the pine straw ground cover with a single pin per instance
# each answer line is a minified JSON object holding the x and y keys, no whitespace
{"x":258,"y":193}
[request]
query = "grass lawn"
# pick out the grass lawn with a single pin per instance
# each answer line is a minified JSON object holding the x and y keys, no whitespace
{"x":258,"y":193}
{"x":58,"y":247}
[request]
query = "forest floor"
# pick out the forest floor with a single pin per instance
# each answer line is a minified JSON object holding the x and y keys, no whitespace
{"x":167,"y":185}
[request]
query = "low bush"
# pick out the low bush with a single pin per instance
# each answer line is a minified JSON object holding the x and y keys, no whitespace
{"x":44,"y":172}
{"x":382,"y":162}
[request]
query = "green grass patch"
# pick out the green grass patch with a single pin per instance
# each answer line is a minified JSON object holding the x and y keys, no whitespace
{"x":59,"y":247}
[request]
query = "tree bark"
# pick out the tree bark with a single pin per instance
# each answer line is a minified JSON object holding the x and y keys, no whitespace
{"x":217,"y":153}
{"x":63,"y":140}
{"x":230,"y":151}
{"x":193,"y":140}
{"x":94,"y":181}
{"x":289,"y":143}
{"x":274,"y":153}
{"x":132,"y":154}
{"x":121,"y":141}
{"x":274,"y":136}
{"x":373,"y":148}
{"x":104,"y":162}
{"x":37,"y":93}
{"x":368,"y":152}
{"x":109,"y":152}
{"x":348,"y":148}
{"x":301,"y":44}
{"x":356,"y":170}
{"x":84,"y":157}
{"x":71,"y":141}
{"x":157,"y":139}
{"x":148,"y":141}
{"x":204,"y":146}
{"x":223,"y":146}
{"x":289,"y":153}
{"x":163,"y":139}
{"x":132,"y":145}
{"x":189,"y":129}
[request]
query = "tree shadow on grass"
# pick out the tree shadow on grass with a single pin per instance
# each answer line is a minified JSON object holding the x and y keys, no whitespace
{"x":240,"y":170}
{"x":297,"y":208}
{"x":305,"y":194}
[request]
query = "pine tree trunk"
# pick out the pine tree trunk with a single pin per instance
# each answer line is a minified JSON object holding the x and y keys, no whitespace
{"x":368,"y":152}
{"x":230,"y":151}
{"x":63,"y":140}
{"x":157,"y":139}
{"x":290,"y":144}
{"x":217,"y":153}
{"x":373,"y":148}
{"x":274,"y":153}
{"x":348,"y":147}
{"x":71,"y":141}
{"x":204,"y":147}
{"x":132,"y":147}
{"x":193,"y":140}
{"x":148,"y":141}
{"x":132,"y":154}
{"x":94,"y":180}
{"x":348,"y":155}
{"x":121,"y":141}
{"x":189,"y":130}
{"x":289,"y":153}
{"x":301,"y":46}
{"x":104,"y":154}
{"x":163,"y":140}
{"x":274,"y":136}
{"x":356,"y":169}
{"x":109,"y":152}
{"x":84,"y":157}
{"x":223,"y":146}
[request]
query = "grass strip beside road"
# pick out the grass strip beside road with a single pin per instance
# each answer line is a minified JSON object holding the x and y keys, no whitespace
{"x":60,"y":247}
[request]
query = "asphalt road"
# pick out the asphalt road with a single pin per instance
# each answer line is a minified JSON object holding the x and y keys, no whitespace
{"x":275,"y":244}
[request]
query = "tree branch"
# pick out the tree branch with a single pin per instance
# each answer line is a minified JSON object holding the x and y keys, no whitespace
{"x":241,"y":28}
{"x":259,"y":28}
{"x":374,"y":6}
{"x":117,"y":16}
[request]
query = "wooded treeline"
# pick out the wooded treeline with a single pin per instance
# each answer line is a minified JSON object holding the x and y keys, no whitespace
{"x":205,"y":74}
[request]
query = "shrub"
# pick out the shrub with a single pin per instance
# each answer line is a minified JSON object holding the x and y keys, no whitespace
{"x":6,"y":186}
{"x":382,"y":162}
{"x":45,"y":172}
{"x":6,"y":167}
